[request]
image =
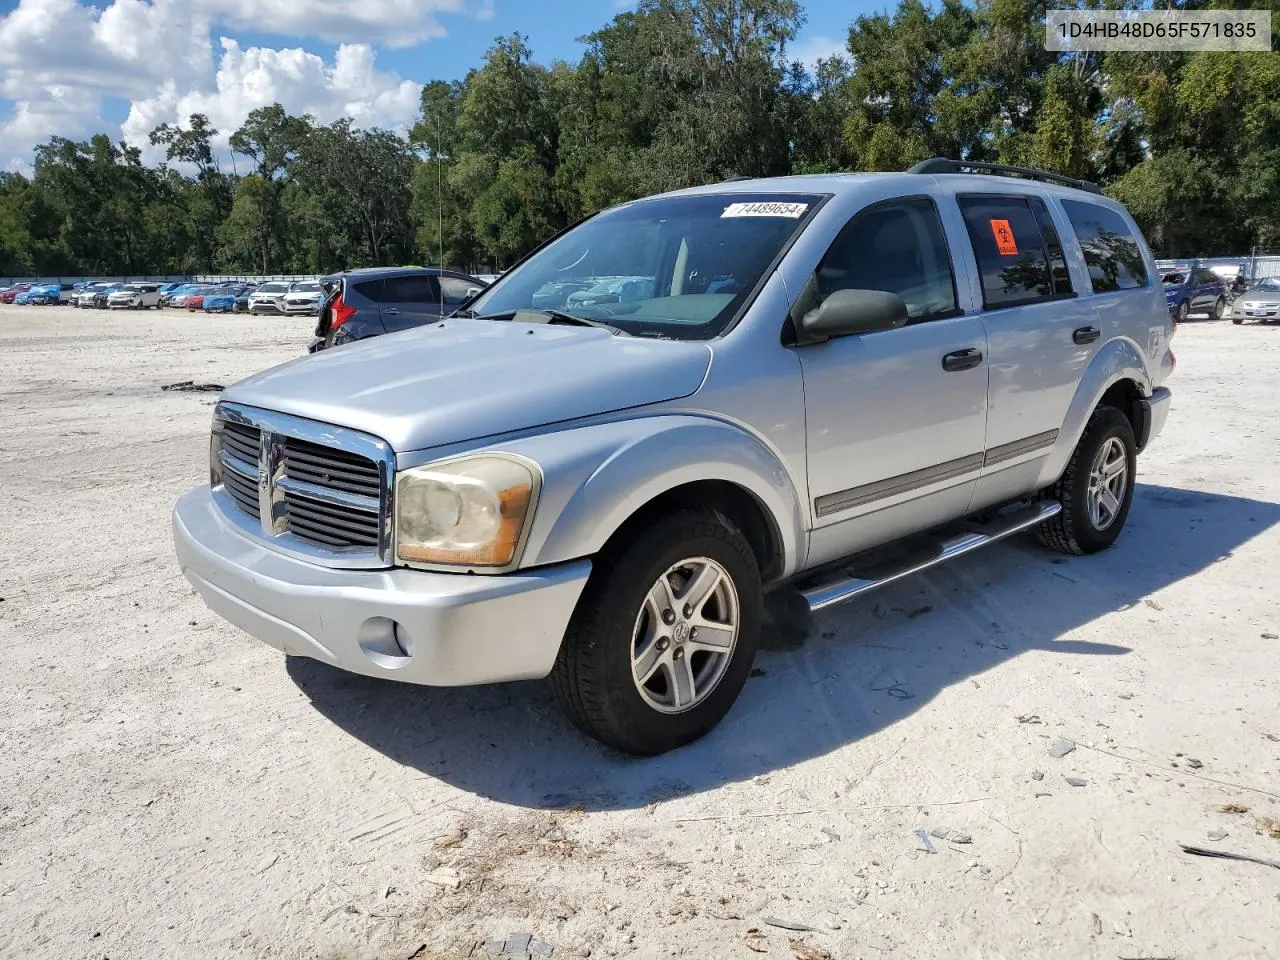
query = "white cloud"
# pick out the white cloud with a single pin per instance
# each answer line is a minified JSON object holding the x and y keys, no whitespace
{"x":302,"y":81}
{"x":394,"y":23}
{"x":60,"y":58}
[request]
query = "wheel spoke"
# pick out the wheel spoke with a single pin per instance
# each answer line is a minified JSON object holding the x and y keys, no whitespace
{"x":713,"y":637}
{"x":647,"y":661}
{"x":1109,"y":500}
{"x":700,"y":587}
{"x":680,"y":673}
{"x":1114,"y":468}
{"x":660,"y":598}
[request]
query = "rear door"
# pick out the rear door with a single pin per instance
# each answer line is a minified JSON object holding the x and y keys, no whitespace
{"x":410,"y":300}
{"x":1040,"y":334}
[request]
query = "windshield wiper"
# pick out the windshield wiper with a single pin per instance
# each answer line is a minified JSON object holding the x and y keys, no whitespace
{"x":548,"y":316}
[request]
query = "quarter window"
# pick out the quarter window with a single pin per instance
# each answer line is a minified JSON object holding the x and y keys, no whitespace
{"x":1109,"y":246}
{"x":898,"y":248}
{"x":1058,"y":274}
{"x":1010,"y":251}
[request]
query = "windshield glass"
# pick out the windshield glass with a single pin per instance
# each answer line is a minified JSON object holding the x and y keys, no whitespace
{"x":1269,"y":285}
{"x":307,"y":287}
{"x":676,"y":267}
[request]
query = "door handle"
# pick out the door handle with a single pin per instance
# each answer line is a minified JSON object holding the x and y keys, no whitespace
{"x":965,"y":359}
{"x":1086,"y":335}
{"x":391,"y":310}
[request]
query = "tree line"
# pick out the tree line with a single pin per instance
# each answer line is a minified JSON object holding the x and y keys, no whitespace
{"x":676,"y":93}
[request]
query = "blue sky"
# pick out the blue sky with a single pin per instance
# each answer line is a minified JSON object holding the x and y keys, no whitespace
{"x":72,"y":68}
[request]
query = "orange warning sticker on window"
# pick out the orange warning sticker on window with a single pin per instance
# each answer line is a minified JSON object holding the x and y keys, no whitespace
{"x":1004,"y":238}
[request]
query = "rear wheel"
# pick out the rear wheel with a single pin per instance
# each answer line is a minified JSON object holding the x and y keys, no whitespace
{"x":664,"y":635}
{"x":1096,"y":489}
{"x":1237,"y":320}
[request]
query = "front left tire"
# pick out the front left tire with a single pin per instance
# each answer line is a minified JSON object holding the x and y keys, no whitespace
{"x":664,"y":634}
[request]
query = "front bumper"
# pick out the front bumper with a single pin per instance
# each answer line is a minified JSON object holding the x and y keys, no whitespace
{"x":1154,"y":411}
{"x":458,"y":629}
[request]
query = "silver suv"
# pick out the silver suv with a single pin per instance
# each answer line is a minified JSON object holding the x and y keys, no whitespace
{"x":795,"y":373}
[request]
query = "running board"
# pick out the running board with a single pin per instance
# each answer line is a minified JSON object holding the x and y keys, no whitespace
{"x":846,"y":587}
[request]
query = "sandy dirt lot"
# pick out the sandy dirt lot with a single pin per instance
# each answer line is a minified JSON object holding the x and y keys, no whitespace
{"x":169,"y":787}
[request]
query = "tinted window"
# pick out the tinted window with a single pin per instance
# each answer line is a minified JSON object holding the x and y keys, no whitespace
{"x":1009,"y":250}
{"x":457,"y":291}
{"x":1058,"y":274}
{"x":1110,"y":249}
{"x":898,"y":248}
{"x":409,"y":289}
{"x":369,"y":289}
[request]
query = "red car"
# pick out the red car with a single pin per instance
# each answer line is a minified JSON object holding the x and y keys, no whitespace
{"x":195,"y":301}
{"x":8,"y":293}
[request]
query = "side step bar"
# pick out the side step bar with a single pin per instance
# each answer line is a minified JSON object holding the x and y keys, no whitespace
{"x":846,"y":587}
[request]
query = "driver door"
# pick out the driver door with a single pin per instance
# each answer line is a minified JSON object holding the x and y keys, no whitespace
{"x":896,"y":419}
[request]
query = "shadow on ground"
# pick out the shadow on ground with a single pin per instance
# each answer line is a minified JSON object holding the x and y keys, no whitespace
{"x":849,"y":673}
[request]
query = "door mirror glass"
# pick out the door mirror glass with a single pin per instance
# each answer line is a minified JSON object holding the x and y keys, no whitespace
{"x":847,"y":312}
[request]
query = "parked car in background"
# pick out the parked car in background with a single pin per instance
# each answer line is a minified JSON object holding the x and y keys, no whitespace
{"x":24,"y":297}
{"x":46,"y":293}
{"x":10,"y":294}
{"x":1191,"y":290}
{"x":242,"y":301}
{"x":195,"y":299}
{"x":177,"y":296}
{"x":103,"y":296}
{"x":223,"y":300}
{"x":269,"y":298}
{"x":135,"y":296}
{"x":304,"y":297}
{"x":376,"y":300}
{"x":924,"y":362}
{"x":1260,"y":301}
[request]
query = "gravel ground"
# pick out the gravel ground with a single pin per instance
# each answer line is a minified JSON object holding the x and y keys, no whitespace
{"x":169,"y":787}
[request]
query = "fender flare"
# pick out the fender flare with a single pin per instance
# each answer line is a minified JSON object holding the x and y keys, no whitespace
{"x":597,"y":477}
{"x":1119,"y":359}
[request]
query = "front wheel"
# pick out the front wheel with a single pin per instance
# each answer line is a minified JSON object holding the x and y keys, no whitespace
{"x":1096,"y":489}
{"x":1184,"y":311}
{"x":663,"y":637}
{"x":1219,"y":306}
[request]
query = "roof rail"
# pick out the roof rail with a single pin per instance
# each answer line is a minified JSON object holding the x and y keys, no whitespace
{"x":737,"y":179}
{"x":941,"y":165}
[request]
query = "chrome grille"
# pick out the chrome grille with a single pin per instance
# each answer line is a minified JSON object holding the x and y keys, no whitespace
{"x":313,"y":489}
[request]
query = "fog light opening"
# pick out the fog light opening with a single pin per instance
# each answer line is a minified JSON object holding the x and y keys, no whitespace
{"x":385,"y":642}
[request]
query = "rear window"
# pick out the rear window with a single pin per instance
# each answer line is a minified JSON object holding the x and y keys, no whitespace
{"x":1010,"y":251}
{"x":1110,"y":248}
{"x":409,"y":289}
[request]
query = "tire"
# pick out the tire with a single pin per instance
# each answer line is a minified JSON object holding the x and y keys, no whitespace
{"x":1237,"y":320}
{"x":1075,"y":530}
{"x":593,"y":675}
{"x":1219,"y":306}
{"x":1184,"y":311}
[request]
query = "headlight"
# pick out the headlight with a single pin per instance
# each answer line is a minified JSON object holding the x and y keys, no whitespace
{"x":469,"y":512}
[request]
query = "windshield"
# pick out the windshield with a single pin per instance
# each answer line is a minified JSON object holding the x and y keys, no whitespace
{"x":1269,"y":285}
{"x":308,"y":287}
{"x":677,"y":267}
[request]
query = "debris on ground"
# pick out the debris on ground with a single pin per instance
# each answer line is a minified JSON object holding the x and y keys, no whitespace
{"x":788,"y":925}
{"x":1061,"y":748}
{"x":755,"y":940}
{"x":445,"y":877}
{"x":830,"y":833}
{"x":1217,"y":834}
{"x":1152,"y":604}
{"x":1076,"y":781}
{"x":1269,"y":826}
{"x":1234,"y":808}
{"x":807,"y":951}
{"x":1097,"y":924}
{"x":953,"y":836}
{"x":926,"y":843}
{"x":188,"y":386}
{"x":1121,"y":929}
{"x":1271,"y":636}
{"x":1028,"y":718}
{"x":1037,"y":774}
{"x":1194,"y":764}
{"x":1228,"y":855}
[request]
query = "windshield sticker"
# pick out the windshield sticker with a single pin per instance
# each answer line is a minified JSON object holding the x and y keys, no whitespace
{"x":1003,"y":233}
{"x":793,"y":210}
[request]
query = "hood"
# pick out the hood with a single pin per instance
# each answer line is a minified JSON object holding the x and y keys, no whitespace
{"x":466,"y":379}
{"x":1267,"y":298}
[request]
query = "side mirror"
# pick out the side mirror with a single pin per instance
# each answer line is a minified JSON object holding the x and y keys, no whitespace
{"x":847,"y":312}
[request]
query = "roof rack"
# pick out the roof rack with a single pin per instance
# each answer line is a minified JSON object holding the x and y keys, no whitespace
{"x":941,"y":165}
